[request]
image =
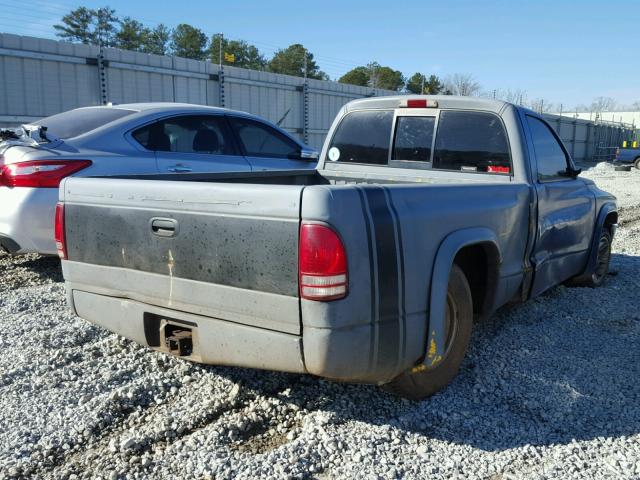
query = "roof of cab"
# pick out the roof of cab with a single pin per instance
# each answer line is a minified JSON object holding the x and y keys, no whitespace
{"x":444,"y":101}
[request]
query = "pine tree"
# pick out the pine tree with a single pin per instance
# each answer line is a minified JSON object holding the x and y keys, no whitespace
{"x":188,"y":42}
{"x":76,"y":26}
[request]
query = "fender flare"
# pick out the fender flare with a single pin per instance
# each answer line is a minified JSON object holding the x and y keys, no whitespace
{"x":605,"y":210}
{"x":443,"y":262}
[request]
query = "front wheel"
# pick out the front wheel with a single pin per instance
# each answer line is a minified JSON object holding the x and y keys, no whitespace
{"x":418,"y":383}
{"x":637,"y":163}
{"x":596,"y":278}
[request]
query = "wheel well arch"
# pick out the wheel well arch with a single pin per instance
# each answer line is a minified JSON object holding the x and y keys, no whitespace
{"x":480,"y":263}
{"x":449,"y":248}
{"x":611,"y":219}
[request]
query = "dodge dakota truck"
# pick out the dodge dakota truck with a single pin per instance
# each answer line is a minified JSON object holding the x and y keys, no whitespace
{"x":424,"y":215}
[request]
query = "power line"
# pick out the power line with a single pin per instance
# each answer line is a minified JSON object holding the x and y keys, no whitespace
{"x":27,"y":28}
{"x":66,"y":8}
{"x":20,"y":17}
{"x":33,"y":13}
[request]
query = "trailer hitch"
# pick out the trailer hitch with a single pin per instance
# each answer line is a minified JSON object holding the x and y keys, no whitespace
{"x":178,"y":340}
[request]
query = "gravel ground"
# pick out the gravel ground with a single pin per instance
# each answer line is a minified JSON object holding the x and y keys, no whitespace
{"x":550,"y":389}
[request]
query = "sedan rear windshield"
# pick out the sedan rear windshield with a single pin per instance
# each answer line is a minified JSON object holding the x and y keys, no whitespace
{"x":82,"y":120}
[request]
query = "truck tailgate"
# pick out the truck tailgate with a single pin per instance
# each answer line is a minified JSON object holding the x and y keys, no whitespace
{"x":227,"y":251}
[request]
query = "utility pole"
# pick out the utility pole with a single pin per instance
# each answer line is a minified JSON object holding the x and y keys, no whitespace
{"x":373,"y":76}
{"x":221,"y":71}
{"x":220,"y":50}
{"x":304,"y":52}
{"x":305,"y":99}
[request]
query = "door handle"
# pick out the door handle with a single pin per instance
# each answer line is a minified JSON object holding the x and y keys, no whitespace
{"x":164,"y":227}
{"x":179,"y":169}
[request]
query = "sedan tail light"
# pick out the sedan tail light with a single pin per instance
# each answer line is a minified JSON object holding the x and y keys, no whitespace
{"x":323,"y":263}
{"x":40,"y":173}
{"x":59,"y":233}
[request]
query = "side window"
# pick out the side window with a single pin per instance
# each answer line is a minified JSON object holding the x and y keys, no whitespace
{"x":550,"y":156}
{"x":206,"y":134}
{"x":413,"y":139}
{"x":362,"y":137}
{"x":471,"y":142}
{"x":260,"y":140}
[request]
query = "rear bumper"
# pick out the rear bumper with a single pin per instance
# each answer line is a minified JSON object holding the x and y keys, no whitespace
{"x":27,"y":219}
{"x":341,"y":354}
{"x":215,"y":341}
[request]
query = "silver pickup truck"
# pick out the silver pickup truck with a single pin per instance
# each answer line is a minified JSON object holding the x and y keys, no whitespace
{"x":424,"y":214}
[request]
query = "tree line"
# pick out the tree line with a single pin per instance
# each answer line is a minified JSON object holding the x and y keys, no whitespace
{"x":103,"y":27}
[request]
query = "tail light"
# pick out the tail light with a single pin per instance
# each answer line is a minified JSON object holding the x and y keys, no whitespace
{"x":40,"y":173}
{"x":498,"y":169}
{"x":59,"y":234}
{"x":323,"y":263}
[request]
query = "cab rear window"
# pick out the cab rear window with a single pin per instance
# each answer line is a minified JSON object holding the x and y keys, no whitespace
{"x":471,"y":142}
{"x":362,"y":137}
{"x":413,"y":139}
{"x":465,"y":141}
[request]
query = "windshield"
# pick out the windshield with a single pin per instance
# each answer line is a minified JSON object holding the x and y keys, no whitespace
{"x":82,"y":120}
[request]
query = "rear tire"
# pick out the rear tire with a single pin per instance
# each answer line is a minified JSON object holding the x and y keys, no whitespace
{"x":417,"y":384}
{"x":596,"y":278}
{"x":637,"y":163}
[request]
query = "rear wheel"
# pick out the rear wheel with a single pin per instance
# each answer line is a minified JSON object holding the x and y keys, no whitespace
{"x":597,"y":277}
{"x":418,"y":383}
{"x":637,"y":163}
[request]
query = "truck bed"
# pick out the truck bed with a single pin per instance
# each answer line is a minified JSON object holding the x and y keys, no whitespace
{"x":234,"y":258}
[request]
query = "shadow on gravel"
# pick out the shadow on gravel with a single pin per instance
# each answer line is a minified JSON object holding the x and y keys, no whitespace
{"x":563,"y":366}
{"x":24,"y":270}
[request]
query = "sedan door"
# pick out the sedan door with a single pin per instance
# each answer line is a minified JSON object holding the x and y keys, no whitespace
{"x":566,"y":210}
{"x":265,"y":148}
{"x":192,"y":143}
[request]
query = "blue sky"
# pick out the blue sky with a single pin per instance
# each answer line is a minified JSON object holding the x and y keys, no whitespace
{"x":563,"y":51}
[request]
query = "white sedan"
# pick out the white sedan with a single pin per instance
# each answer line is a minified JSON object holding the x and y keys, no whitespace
{"x":126,"y":139}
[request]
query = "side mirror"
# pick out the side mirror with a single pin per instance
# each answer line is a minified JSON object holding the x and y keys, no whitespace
{"x":571,"y":172}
